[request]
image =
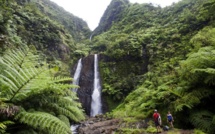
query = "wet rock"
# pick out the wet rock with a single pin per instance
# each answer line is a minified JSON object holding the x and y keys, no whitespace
{"x":86,"y":82}
{"x":99,"y":126}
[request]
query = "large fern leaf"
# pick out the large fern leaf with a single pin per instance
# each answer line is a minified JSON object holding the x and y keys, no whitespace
{"x":32,"y":86}
{"x":43,"y":121}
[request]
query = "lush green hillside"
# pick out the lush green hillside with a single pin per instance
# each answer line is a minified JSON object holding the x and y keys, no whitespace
{"x":151,"y":57}
{"x":163,"y":58}
{"x":43,"y":24}
{"x":38,"y":43}
{"x":76,"y":26}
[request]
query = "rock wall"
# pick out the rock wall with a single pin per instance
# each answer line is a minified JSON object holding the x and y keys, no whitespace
{"x":86,"y":84}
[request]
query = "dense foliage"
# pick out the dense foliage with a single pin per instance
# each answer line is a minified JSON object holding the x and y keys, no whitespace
{"x":164,"y":59}
{"x":151,"y":57}
{"x":43,"y":24}
{"x":32,"y":99}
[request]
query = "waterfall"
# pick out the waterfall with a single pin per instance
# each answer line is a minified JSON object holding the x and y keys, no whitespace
{"x":77,"y":75}
{"x":91,"y":37}
{"x":96,"y":106}
{"x":74,"y":128}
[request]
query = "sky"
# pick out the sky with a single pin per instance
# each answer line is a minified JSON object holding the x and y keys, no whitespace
{"x":91,"y":11}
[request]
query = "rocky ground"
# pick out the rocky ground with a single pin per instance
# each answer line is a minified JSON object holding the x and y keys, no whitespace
{"x":105,"y":125}
{"x":98,"y":125}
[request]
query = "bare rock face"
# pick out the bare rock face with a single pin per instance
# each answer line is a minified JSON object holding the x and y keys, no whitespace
{"x":86,"y":83}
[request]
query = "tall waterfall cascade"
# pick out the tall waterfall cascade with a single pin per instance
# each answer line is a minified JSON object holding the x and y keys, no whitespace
{"x":96,"y":105}
{"x":77,"y":75}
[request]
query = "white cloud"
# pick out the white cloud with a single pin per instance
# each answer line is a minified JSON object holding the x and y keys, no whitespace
{"x":92,"y":10}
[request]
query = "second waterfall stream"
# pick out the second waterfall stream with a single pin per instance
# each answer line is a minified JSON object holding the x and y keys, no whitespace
{"x":96,"y":105}
{"x":77,"y":75}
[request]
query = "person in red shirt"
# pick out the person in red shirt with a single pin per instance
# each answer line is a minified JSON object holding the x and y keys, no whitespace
{"x":156,"y":117}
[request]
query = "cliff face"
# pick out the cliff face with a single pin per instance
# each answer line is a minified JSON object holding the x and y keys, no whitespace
{"x":112,"y":14}
{"x":86,"y":83}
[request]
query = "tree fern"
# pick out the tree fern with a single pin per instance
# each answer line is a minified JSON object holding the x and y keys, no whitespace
{"x":192,"y":98}
{"x":64,"y":105}
{"x":43,"y":121}
{"x":197,"y":77}
{"x":28,"y":82}
{"x":210,"y":75}
{"x":203,"y":120}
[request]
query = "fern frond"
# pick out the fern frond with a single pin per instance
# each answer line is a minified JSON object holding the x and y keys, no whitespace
{"x":61,"y":79}
{"x":16,"y":80}
{"x":186,"y":101}
{"x":27,"y":131}
{"x":209,"y":77}
{"x":203,"y":120}
{"x":3,"y":125}
{"x":43,"y":121}
{"x":77,"y":112}
{"x":64,"y":101}
{"x":61,"y":105}
{"x":8,"y":122}
{"x":21,"y":57}
{"x":67,"y":112}
{"x":192,"y":98}
{"x":64,"y":119}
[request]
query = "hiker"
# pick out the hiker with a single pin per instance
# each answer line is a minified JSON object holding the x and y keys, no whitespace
{"x":170,"y":119}
{"x":157,"y":120}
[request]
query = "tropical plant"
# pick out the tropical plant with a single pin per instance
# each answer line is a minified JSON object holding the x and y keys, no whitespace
{"x":32,"y":97}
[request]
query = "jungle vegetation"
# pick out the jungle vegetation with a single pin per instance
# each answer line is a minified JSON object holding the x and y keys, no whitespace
{"x":156,"y":58}
{"x":163,"y":58}
{"x":32,"y":98}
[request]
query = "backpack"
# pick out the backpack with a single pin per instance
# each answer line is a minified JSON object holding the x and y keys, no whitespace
{"x":165,"y":128}
{"x":159,"y":120}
